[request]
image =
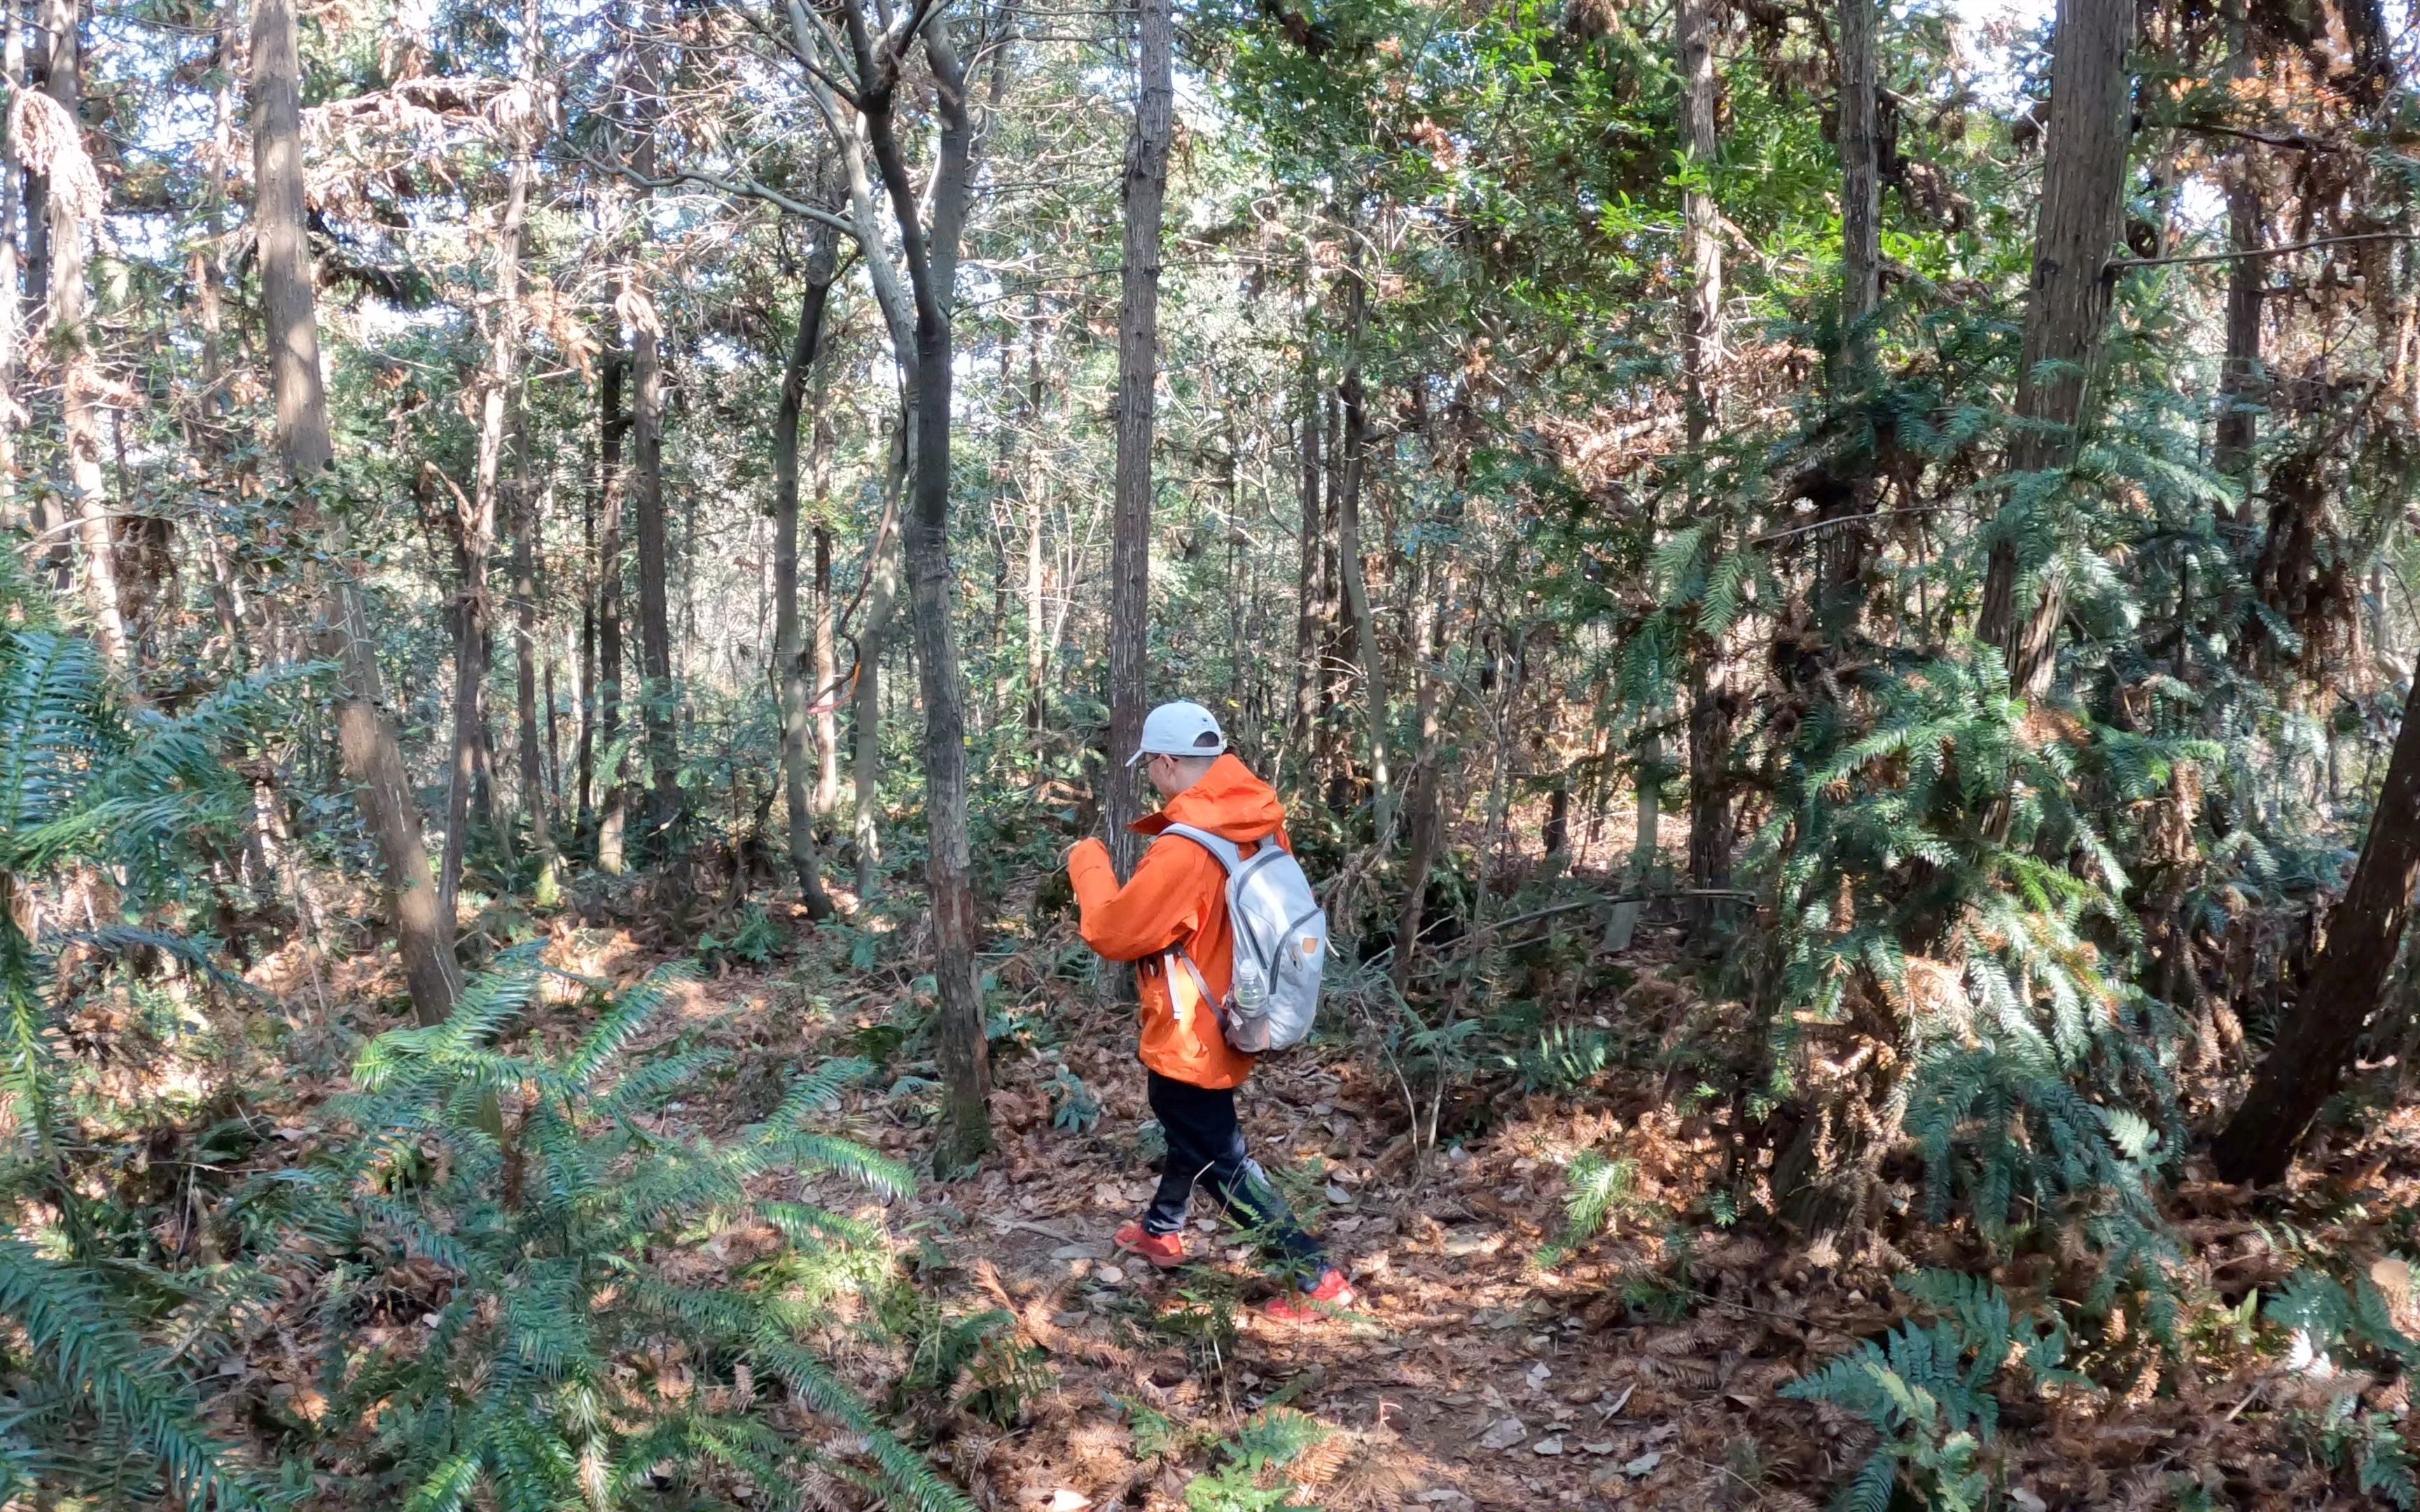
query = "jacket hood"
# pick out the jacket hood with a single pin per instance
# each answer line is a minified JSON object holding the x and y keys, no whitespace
{"x":1228,"y":802}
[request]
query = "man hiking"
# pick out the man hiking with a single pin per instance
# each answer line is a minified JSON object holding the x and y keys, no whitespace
{"x":1174,"y":908}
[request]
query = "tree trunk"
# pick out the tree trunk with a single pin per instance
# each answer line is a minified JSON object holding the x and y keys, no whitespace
{"x":475,"y":527}
{"x":74,"y":206}
{"x":1145,"y":189}
{"x":1860,"y":185}
{"x":366,"y":734}
{"x":1624,"y":922}
{"x":584,"y":790}
{"x":932,"y":260}
{"x":1037,"y":638}
{"x":826,"y":660}
{"x":2075,"y":232}
{"x":612,"y":817}
{"x":1348,"y":551}
{"x":526,"y":631}
{"x":509,"y":318}
{"x":866,"y":720}
{"x":12,"y":319}
{"x":2239,"y":377}
{"x":1305,"y":713}
{"x":1713,"y":831}
{"x":1427,"y":820}
{"x":790,"y":671}
{"x":658,"y":704}
{"x":2315,"y":1047}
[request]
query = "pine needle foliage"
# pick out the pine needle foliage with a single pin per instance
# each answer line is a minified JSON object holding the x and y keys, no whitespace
{"x":1985,"y":943}
{"x":1597,"y":1190}
{"x":537,"y":1186}
{"x":1928,"y":1391}
{"x":99,"y":1409}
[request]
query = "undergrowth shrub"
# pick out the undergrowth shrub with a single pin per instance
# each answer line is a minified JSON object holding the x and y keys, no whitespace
{"x":1945,"y":896}
{"x":536,"y":1188}
{"x":1929,"y":1391}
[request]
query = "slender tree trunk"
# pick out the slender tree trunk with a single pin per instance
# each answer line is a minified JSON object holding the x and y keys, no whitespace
{"x":1348,"y":551}
{"x":74,"y":208}
{"x":13,"y":412}
{"x":1305,"y":713}
{"x":658,"y":705}
{"x":2239,"y":377}
{"x":1861,"y":183}
{"x":366,"y":734}
{"x":1427,"y":820}
{"x":1624,"y":922}
{"x":511,"y":316}
{"x":2075,"y":233}
{"x":2316,"y":1046}
{"x":881,"y":602}
{"x":613,"y":423}
{"x":1037,"y":643}
{"x":1145,"y":189}
{"x":476,"y":527}
{"x":932,"y":258}
{"x":790,"y":671}
{"x":525,"y":634}
{"x":583,"y":792}
{"x":1713,"y":831}
{"x":827,"y":659}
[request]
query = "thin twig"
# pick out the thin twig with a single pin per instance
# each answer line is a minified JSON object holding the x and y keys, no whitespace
{"x":2120,"y":264}
{"x":1788,"y":530}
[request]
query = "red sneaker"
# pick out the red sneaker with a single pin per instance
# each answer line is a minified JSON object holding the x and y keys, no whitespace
{"x":1165,"y":1251}
{"x":1333,"y":1295}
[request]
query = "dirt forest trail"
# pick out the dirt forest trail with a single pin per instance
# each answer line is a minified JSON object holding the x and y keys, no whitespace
{"x":1467,"y":1377}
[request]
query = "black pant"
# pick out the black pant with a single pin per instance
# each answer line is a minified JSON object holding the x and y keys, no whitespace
{"x":1206,"y":1145}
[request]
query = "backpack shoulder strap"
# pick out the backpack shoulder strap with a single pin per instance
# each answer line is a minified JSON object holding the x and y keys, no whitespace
{"x":1229,"y":853}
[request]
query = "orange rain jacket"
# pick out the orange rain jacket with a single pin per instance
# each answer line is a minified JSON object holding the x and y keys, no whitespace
{"x":1178,"y":897}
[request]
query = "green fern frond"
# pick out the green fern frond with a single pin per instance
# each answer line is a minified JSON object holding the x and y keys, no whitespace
{"x":99,"y":1358}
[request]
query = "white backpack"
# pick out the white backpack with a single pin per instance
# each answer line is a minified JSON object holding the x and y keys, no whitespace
{"x":1280,"y":944}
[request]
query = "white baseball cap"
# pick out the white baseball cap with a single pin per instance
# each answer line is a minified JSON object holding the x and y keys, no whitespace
{"x":1180,"y":729}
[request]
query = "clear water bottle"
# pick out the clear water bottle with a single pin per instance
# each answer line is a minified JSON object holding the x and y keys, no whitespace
{"x":1251,"y":991}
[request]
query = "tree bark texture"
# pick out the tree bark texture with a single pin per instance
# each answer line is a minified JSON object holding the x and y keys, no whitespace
{"x":932,"y":257}
{"x":1713,"y":831}
{"x":658,"y":704}
{"x":2075,"y":234}
{"x":525,"y":664}
{"x":1145,"y":190}
{"x":1305,"y":713}
{"x":1348,"y":554}
{"x":1427,"y":819}
{"x":2240,"y":375}
{"x":827,"y":658}
{"x":475,"y":529}
{"x":1038,"y":627}
{"x":12,"y":315}
{"x":2317,"y":1046}
{"x":73,"y":208}
{"x":366,"y":732}
{"x":790,"y":670}
{"x":613,"y":803}
{"x":865,"y":719}
{"x":526,"y":123}
{"x":1860,"y":186}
